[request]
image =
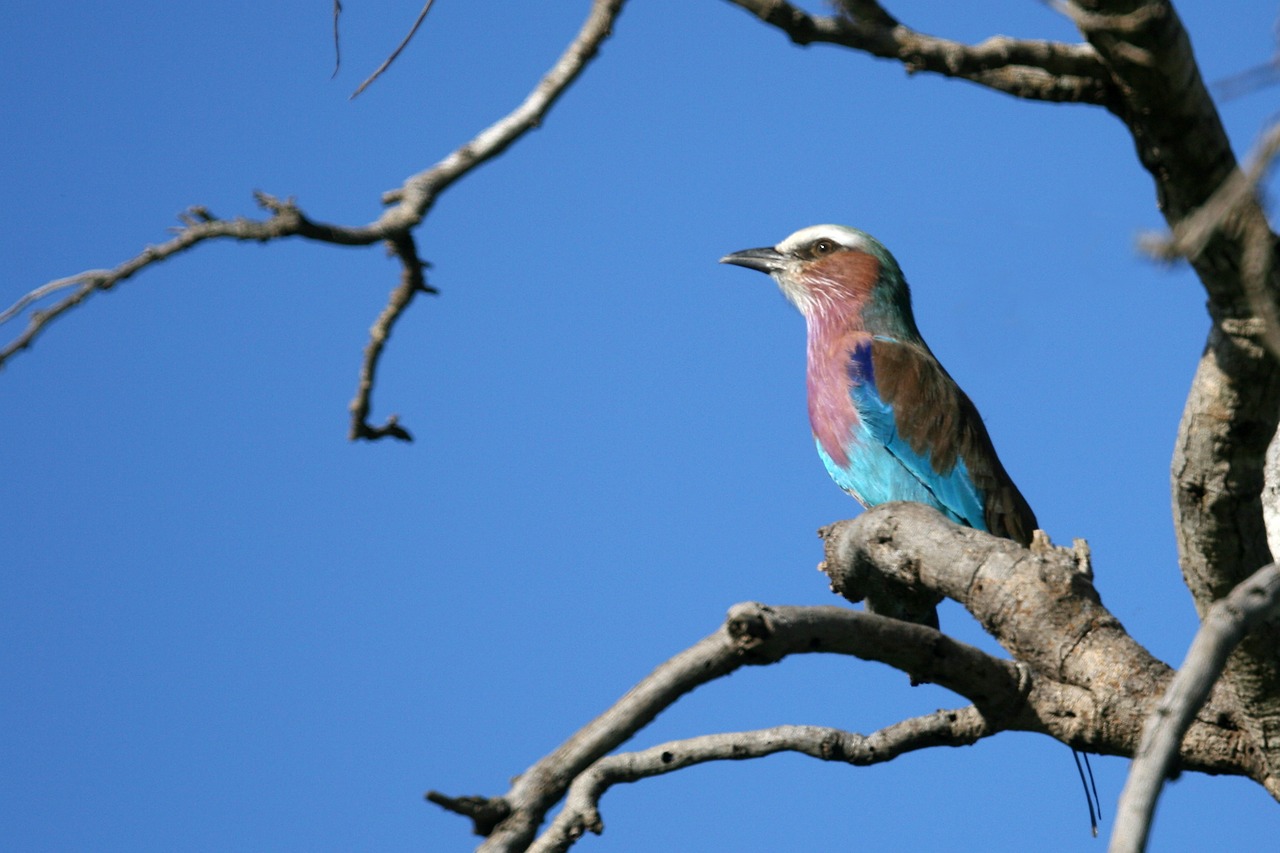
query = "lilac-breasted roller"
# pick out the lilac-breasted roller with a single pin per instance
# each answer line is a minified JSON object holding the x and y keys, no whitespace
{"x":889,"y":422}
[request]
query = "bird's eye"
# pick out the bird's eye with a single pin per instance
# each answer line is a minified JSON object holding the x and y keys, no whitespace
{"x":823,"y":247}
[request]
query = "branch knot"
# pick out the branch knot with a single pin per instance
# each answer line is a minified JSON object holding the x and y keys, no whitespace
{"x":750,"y":625}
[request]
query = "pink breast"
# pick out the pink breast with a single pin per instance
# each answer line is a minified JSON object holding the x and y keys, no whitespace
{"x":831,"y":412}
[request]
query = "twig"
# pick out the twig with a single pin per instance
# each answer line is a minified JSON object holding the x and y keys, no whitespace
{"x":1248,"y":81}
{"x":1032,"y":69}
{"x":386,"y":63}
{"x":285,"y":221}
{"x":418,"y":193}
{"x":412,"y":282}
{"x":960,"y":727}
{"x":485,"y":812}
{"x":337,"y":46}
{"x":1192,"y":233}
{"x":52,"y":287}
{"x":1225,"y":211}
{"x":1224,"y":626}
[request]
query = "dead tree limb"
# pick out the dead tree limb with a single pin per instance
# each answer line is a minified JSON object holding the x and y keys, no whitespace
{"x":408,"y":206}
{"x":581,"y":812}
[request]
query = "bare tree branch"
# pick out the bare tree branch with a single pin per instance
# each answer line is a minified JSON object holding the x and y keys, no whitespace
{"x":1234,"y":208}
{"x":285,"y":221}
{"x":756,"y":634}
{"x":421,"y":190}
{"x":386,"y":63}
{"x":1226,"y":623}
{"x":1191,"y":234}
{"x":1041,"y":606}
{"x":48,"y":289}
{"x":411,"y":202}
{"x":1248,"y":81}
{"x":1036,"y":70}
{"x":960,"y":727}
{"x":412,"y":282}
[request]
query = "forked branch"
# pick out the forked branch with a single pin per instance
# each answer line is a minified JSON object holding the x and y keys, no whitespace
{"x":581,"y":812}
{"x":409,"y":205}
{"x":757,"y":634}
{"x":1033,"y":69}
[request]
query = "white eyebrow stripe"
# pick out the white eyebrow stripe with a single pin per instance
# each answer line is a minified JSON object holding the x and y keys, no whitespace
{"x":850,"y":238}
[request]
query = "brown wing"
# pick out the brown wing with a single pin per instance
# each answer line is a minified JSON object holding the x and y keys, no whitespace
{"x":939,"y":421}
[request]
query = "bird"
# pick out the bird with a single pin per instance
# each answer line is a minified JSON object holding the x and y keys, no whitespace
{"x":889,"y":422}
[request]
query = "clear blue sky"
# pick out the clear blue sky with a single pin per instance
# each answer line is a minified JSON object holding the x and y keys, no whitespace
{"x":223,"y":627}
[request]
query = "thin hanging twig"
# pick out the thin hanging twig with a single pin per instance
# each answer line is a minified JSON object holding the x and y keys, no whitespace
{"x":337,"y":47}
{"x":392,"y":58}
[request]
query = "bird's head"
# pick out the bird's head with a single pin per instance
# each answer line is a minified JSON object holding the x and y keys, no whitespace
{"x":840,"y":274}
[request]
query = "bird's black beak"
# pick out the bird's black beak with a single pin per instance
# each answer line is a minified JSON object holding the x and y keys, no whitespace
{"x":766,"y":260}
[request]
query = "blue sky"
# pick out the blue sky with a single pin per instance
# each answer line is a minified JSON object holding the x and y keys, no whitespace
{"x":223,"y":627}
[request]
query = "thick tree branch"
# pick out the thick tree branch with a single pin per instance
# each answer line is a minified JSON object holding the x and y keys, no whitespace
{"x":1036,"y":70}
{"x":1041,"y":605}
{"x":581,"y":812}
{"x":411,"y":202}
{"x":1226,"y":623}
